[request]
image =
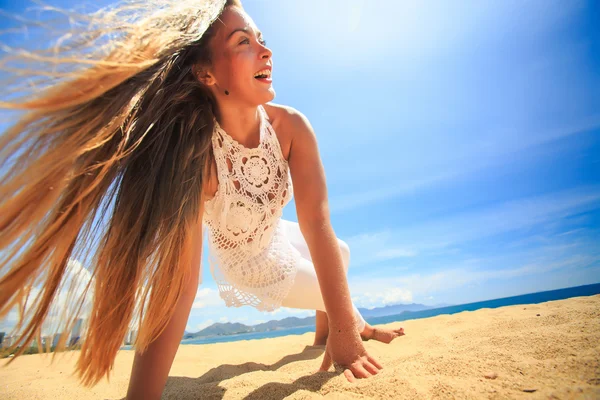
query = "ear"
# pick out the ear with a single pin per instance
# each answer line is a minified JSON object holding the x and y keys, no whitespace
{"x":203,"y":75}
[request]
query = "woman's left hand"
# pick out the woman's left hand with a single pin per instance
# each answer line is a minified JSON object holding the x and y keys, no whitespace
{"x":346,"y":350}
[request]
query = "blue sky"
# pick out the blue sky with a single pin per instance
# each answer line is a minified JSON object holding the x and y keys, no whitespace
{"x":460,"y":142}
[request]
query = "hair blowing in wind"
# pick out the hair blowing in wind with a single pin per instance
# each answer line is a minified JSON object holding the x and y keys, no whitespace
{"x":104,"y":163}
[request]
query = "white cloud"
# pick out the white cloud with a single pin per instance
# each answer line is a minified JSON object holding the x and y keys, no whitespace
{"x":207,"y":297}
{"x":8,"y":323}
{"x":430,"y":236}
{"x":373,"y":292}
{"x":403,"y":186}
{"x":394,"y":253}
{"x":223,"y":320}
{"x":71,"y":288}
{"x":401,"y":176}
{"x":300,"y":313}
{"x":284,"y":312}
{"x":383,"y":297}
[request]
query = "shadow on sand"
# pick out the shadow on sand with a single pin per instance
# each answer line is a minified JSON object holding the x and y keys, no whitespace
{"x":207,"y":385}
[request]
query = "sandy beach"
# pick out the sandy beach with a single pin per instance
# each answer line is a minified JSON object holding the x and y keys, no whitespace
{"x":543,"y":351}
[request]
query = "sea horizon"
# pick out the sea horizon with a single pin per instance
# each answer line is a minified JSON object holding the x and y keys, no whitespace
{"x":529,"y":298}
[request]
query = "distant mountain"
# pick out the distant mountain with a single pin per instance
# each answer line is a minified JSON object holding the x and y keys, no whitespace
{"x":224,"y":329}
{"x":289,"y":322}
{"x":220,"y":329}
{"x":394,"y":310}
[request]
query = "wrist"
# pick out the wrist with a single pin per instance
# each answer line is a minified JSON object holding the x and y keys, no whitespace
{"x":343,"y":326}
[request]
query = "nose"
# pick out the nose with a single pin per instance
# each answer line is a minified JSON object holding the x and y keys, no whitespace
{"x":265,"y":52}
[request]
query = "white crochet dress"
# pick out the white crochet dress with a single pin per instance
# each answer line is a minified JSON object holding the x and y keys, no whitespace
{"x":251,"y":258}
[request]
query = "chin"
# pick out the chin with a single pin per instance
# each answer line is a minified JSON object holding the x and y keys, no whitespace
{"x":266,"y":97}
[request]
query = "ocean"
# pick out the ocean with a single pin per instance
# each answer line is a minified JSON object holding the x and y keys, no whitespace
{"x":532,"y":298}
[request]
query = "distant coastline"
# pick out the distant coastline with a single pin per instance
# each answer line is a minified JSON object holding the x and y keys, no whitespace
{"x":297,"y":326}
{"x":304,"y":325}
{"x":227,"y":329}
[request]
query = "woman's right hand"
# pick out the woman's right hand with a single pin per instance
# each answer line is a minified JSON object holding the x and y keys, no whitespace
{"x":346,"y":350}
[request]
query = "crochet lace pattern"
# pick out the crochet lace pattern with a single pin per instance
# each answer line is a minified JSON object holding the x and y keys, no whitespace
{"x":251,"y":259}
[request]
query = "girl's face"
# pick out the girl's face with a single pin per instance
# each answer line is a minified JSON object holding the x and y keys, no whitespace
{"x":241,"y":62}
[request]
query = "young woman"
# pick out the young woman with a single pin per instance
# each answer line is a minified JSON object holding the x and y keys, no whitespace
{"x":172,"y":120}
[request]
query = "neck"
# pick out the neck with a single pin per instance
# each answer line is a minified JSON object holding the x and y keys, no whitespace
{"x":241,"y":123}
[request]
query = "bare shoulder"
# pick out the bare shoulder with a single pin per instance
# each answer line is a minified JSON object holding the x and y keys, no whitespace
{"x":289,"y":125}
{"x":289,"y":119}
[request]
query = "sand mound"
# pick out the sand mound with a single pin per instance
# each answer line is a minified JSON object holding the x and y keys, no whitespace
{"x":548,"y":350}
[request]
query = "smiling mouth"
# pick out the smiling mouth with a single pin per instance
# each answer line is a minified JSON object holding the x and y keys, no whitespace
{"x":263,"y":74}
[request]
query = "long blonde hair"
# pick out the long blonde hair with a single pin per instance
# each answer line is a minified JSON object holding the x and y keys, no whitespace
{"x":105,"y":167}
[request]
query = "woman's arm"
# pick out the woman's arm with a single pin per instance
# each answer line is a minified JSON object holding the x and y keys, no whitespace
{"x":310,"y":190}
{"x":151,"y":369}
